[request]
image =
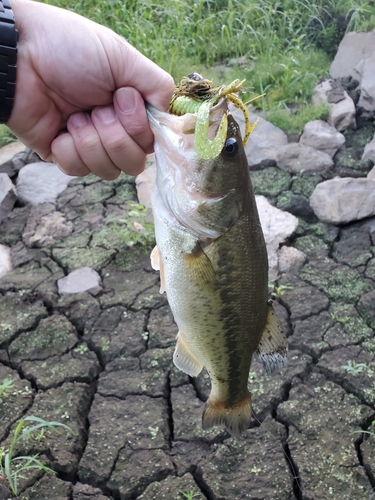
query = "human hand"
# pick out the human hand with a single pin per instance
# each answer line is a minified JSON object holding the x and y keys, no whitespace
{"x":80,"y":93}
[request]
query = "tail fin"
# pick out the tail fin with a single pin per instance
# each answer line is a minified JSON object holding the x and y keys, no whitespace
{"x":235,"y":419}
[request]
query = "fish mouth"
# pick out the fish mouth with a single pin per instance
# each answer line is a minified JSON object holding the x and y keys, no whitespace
{"x":182,"y":126}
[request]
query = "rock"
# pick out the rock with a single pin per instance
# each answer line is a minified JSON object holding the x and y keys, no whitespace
{"x":22,"y":158}
{"x":296,"y":204}
{"x":263,"y":142}
{"x":172,"y":487}
{"x":8,"y":196}
{"x":5,"y":260}
{"x":145,"y":183}
{"x":371,"y":174}
{"x":7,"y":154}
{"x":320,"y":92}
{"x":78,"y":281}
{"x":41,"y":183}
{"x":354,"y":47}
{"x":369,"y":152}
{"x":296,"y":157}
{"x":336,"y":94}
{"x":342,"y":200}
{"x":277,"y":227}
{"x":318,"y":134}
{"x":290,"y":260}
{"x":47,"y":229}
{"x":367,"y":97}
{"x":366,"y":308}
{"x":87,"y":492}
{"x":342,"y":114}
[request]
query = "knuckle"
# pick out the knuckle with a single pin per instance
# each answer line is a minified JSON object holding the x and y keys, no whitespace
{"x":89,"y":143}
{"x":115,"y":144}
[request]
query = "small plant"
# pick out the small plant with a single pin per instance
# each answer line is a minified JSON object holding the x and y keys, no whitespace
{"x":339,"y":319}
{"x":135,"y":228}
{"x":5,"y":388}
{"x":12,"y":467}
{"x":370,"y":432}
{"x":153,"y":431}
{"x":81,"y":349}
{"x":189,"y":495}
{"x":105,"y":344}
{"x":354,"y":368}
{"x":279,"y":290}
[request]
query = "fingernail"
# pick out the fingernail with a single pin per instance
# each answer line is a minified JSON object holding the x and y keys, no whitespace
{"x":79,"y":120}
{"x":106,"y":114}
{"x":126,"y":100}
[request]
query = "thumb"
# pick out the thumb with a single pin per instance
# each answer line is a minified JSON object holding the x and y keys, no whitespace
{"x":132,"y":69}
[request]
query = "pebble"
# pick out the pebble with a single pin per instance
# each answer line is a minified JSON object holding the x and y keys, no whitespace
{"x":78,"y":281}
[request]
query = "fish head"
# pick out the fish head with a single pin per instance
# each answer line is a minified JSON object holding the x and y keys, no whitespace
{"x":204,"y":195}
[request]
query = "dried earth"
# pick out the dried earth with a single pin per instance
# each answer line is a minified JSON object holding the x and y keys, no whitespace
{"x":101,"y":361}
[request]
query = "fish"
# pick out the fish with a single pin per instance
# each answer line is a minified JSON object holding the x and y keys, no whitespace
{"x":212,"y":258}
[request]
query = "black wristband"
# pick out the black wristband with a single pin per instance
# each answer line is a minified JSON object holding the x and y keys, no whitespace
{"x":8,"y":60}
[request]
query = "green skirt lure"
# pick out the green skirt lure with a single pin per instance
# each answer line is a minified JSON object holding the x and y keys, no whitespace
{"x":197,"y":95}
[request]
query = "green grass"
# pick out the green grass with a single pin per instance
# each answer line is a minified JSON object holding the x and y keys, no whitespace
{"x":6,"y":136}
{"x":13,"y":467}
{"x":294,"y":123}
{"x":287,"y":44}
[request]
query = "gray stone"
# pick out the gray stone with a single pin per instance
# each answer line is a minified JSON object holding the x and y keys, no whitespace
{"x":320,"y":92}
{"x":354,"y":47}
{"x":296,"y":157}
{"x":41,"y":183}
{"x":8,"y":196}
{"x":277,"y":227}
{"x":318,"y":134}
{"x":263,"y":142}
{"x":342,"y":114}
{"x":369,"y":152}
{"x":7,"y":154}
{"x":290,"y":260}
{"x":342,"y":200}
{"x":5,"y":260}
{"x":46,"y":229}
{"x":78,"y":281}
{"x":371,"y":174}
{"x":367,"y":97}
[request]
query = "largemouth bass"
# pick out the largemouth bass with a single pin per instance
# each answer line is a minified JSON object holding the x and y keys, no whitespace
{"x":213,"y":262}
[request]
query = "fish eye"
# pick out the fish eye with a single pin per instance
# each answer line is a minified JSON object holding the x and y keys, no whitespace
{"x":230,"y":148}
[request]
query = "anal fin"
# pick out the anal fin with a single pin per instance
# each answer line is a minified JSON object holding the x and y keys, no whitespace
{"x":184,"y":359}
{"x":157,"y":265}
{"x":272,"y":348}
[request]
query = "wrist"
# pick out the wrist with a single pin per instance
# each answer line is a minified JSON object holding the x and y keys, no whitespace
{"x":8,"y":60}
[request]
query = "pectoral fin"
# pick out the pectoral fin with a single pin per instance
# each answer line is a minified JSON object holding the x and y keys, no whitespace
{"x":273,"y":345}
{"x":184,"y":359}
{"x":199,"y":268}
{"x":157,"y":264}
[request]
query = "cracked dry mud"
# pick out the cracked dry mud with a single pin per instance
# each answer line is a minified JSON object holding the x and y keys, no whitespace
{"x":101,"y":362}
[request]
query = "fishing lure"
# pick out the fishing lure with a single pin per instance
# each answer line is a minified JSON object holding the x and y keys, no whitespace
{"x":196,"y":94}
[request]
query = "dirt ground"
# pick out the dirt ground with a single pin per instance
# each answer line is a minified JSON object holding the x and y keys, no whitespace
{"x":101,"y":362}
